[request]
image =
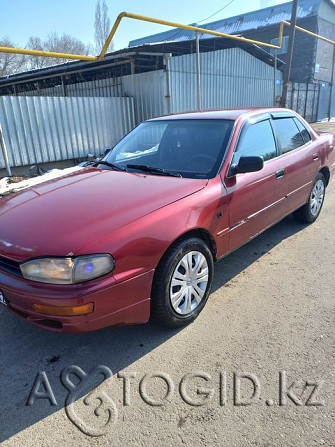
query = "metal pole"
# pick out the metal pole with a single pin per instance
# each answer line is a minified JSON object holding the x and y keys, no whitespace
{"x":288,"y":65}
{"x":274,"y":76}
{"x":331,"y":87}
{"x":63,"y":86}
{"x":306,"y":98}
{"x":198,"y":69}
{"x":167,"y":60}
{"x":4,"y":152}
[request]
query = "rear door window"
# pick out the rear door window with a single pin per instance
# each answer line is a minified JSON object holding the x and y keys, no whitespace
{"x":288,"y":134}
{"x":304,"y":132}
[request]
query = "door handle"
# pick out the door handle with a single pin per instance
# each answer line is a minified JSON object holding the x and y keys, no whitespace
{"x":280,"y":174}
{"x":315,"y":157}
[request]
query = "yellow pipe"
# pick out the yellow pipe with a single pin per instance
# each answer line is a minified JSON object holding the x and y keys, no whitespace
{"x":160,"y":22}
{"x":111,"y":35}
{"x":179,"y":25}
{"x":310,"y":32}
{"x":47,"y":54}
{"x":281,"y":32}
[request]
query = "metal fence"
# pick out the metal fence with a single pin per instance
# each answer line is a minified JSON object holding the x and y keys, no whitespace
{"x":87,"y":117}
{"x":45,"y":129}
{"x":304,"y":99}
{"x":326,"y":106}
{"x":229,"y":78}
{"x":108,"y":87}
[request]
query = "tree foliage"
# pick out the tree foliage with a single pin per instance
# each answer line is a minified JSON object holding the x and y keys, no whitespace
{"x":14,"y":63}
{"x":102,"y":26}
{"x":56,"y":43}
{"x":10,"y":63}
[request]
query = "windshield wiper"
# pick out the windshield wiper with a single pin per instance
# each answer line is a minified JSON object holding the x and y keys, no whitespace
{"x":111,"y":165}
{"x":153,"y":170}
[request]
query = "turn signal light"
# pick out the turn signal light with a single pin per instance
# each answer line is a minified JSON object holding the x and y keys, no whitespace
{"x":66,"y":311}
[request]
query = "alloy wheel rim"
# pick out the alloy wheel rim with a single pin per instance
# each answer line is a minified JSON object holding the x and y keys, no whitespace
{"x":317,"y":196}
{"x":189,"y":283}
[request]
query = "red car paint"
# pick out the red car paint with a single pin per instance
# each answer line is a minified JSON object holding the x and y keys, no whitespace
{"x":136,"y":217}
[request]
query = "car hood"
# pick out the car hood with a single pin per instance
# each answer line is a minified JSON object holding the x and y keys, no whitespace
{"x":59,"y":217}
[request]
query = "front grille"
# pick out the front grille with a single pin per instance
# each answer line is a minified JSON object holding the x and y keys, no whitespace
{"x":9,"y":266}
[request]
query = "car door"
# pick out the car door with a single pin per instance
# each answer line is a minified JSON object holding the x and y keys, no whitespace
{"x":301,"y":157}
{"x":256,"y":199}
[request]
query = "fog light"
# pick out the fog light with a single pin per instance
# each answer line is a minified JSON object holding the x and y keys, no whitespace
{"x":67,"y":311}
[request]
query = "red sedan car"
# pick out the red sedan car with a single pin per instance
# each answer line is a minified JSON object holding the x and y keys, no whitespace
{"x":137,"y":233}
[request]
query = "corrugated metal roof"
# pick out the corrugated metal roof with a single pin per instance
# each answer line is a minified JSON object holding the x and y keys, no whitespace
{"x":237,"y":24}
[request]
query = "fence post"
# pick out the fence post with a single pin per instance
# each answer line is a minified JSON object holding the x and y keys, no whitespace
{"x":167,"y":62}
{"x":274,"y":77}
{"x":198,"y":70}
{"x":4,"y":152}
{"x":331,"y":86}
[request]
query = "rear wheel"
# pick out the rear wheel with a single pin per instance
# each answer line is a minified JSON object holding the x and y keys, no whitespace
{"x":309,"y":212}
{"x":182,"y":282}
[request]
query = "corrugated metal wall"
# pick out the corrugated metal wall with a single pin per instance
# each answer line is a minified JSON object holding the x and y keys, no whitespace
{"x":91,"y":117}
{"x":147,"y":89}
{"x":44,"y":129}
{"x":229,"y":78}
{"x":109,"y":87}
{"x":149,"y":93}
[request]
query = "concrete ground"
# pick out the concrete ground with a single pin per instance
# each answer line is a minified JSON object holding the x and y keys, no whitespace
{"x":327,"y":126}
{"x":256,"y":368}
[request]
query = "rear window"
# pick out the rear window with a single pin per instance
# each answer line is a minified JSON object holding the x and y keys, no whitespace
{"x":288,"y":134}
{"x":304,"y":132}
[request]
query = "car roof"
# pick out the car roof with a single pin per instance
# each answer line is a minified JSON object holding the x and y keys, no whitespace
{"x":227,"y":114}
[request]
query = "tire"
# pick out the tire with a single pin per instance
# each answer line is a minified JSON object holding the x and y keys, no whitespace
{"x":309,"y":212}
{"x":179,"y":293}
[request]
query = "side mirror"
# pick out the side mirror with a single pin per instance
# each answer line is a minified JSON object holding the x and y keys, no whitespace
{"x":250,"y":163}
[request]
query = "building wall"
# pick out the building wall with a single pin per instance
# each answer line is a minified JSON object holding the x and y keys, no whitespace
{"x":324,"y":53}
{"x":304,"y":54}
{"x":327,"y":11}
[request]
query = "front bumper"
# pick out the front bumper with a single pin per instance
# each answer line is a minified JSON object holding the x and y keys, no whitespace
{"x":127,"y":302}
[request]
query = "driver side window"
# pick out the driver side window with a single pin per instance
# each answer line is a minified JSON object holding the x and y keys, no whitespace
{"x":257,"y":139}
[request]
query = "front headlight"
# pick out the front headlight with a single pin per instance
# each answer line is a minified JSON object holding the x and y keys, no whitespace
{"x":67,"y":270}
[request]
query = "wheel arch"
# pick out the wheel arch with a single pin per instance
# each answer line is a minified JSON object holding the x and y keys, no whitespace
{"x":200,"y":233}
{"x":157,"y":309}
{"x":326,"y":173}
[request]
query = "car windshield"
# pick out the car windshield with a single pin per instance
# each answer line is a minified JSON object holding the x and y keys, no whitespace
{"x":186,"y":148}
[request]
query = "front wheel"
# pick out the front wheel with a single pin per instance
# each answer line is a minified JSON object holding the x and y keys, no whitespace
{"x":182,"y":282}
{"x":309,"y":212}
